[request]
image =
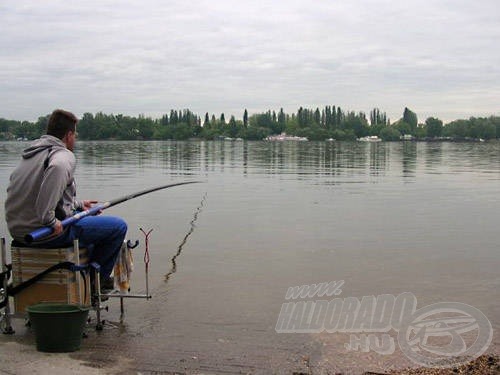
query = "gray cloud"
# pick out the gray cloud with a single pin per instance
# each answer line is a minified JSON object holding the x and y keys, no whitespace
{"x":437,"y":57}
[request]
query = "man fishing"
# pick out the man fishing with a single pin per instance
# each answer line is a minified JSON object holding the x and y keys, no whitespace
{"x":42,"y":193}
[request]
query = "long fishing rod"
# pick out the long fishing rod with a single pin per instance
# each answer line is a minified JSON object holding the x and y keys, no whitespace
{"x":46,"y":231}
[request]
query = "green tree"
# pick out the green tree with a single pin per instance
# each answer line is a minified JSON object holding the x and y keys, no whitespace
{"x":254,"y":133}
{"x":495,"y":121}
{"x":206,"y":123}
{"x":292,"y":126}
{"x":390,"y":133}
{"x":87,"y":126}
{"x":164,"y":120}
{"x":233,"y":127}
{"x":263,"y":120}
{"x":456,"y":129}
{"x":245,"y":118}
{"x":317,"y":117}
{"x":377,"y":118}
{"x":411,"y":119}
{"x":481,"y":128}
{"x":340,"y":117}
{"x":433,"y":127}
{"x":357,"y":123}
{"x":41,"y":125}
{"x":403,"y":127}
{"x":281,"y":121}
{"x":315,"y":124}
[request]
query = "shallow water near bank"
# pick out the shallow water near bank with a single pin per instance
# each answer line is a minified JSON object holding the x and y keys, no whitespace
{"x":386,"y":218}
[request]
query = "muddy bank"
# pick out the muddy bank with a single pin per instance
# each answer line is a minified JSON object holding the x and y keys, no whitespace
{"x":129,"y":349}
{"x":484,"y":365}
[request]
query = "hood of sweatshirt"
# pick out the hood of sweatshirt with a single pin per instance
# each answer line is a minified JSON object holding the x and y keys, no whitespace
{"x":43,"y":143}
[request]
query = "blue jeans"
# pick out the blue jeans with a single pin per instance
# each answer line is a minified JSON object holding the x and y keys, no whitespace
{"x":102,"y":236}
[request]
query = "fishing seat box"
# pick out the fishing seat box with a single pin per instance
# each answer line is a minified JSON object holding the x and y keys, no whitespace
{"x":61,"y":286}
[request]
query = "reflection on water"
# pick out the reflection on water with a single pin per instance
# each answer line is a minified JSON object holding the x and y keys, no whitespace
{"x":409,"y":159}
{"x":301,"y":159}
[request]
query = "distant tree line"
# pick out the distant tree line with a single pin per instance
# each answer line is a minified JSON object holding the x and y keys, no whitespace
{"x":315,"y":124}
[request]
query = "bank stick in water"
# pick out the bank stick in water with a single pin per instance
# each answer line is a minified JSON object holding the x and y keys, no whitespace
{"x":46,"y":231}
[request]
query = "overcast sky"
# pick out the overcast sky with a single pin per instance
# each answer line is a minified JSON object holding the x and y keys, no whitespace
{"x":438,"y":57}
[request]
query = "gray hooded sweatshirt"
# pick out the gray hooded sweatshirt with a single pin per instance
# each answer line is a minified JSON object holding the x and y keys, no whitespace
{"x":41,"y":188}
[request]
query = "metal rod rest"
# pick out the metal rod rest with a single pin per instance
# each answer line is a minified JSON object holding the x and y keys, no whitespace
{"x":118,"y":295}
{"x":5,"y":316}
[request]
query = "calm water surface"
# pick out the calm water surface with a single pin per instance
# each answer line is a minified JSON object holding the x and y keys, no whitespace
{"x":386,"y":218}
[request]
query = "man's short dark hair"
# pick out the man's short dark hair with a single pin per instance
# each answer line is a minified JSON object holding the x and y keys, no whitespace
{"x":61,"y":122}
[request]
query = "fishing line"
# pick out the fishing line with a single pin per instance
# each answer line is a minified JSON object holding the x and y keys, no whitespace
{"x":192,"y":223}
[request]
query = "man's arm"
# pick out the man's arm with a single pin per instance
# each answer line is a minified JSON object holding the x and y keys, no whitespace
{"x":57,"y":176}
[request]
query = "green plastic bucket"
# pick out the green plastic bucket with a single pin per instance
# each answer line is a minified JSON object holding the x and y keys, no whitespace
{"x":58,"y":327}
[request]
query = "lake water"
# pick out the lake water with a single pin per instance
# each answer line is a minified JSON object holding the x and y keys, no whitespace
{"x":386,"y":218}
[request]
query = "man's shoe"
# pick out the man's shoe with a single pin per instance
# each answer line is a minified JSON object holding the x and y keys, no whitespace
{"x":107,"y":284}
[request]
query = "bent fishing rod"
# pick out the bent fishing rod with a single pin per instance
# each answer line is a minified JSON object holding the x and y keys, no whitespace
{"x":94,"y":210}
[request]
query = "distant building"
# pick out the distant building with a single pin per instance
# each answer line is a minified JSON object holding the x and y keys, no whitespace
{"x":407,"y":137}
